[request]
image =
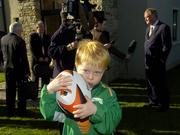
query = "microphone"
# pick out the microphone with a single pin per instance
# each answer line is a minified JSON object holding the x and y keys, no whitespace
{"x":132,"y":46}
{"x":112,"y":42}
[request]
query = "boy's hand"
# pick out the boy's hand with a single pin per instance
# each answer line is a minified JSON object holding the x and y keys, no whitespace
{"x":60,"y":82}
{"x":85,"y":110}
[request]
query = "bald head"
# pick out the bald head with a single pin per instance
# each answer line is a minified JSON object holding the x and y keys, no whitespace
{"x":16,"y":28}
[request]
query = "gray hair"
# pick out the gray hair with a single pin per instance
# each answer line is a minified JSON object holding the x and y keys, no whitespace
{"x":152,"y":11}
{"x":15,"y":27}
{"x":39,"y":22}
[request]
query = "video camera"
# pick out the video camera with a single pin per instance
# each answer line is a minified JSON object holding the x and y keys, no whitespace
{"x":73,"y":7}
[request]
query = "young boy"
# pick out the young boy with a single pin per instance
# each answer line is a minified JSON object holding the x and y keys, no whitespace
{"x":103,"y":109}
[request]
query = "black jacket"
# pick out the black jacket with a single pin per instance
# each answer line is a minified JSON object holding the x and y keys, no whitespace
{"x":37,"y":45}
{"x":15,"y":54}
{"x":61,"y":38}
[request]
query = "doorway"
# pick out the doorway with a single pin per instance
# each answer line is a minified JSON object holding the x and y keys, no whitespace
{"x":50,"y":13}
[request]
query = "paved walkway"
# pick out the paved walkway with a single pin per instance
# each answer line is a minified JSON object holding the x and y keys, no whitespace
{"x":2,"y":91}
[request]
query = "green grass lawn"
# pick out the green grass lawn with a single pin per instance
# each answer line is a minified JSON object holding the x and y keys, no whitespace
{"x":136,"y":119}
{"x":31,"y":125}
{"x":2,"y":79}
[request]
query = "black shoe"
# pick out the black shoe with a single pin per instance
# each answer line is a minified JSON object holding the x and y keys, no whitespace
{"x":22,"y":113}
{"x":10,"y":114}
{"x":163,"y":108}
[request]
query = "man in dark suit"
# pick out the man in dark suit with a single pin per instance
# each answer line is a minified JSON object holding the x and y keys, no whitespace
{"x":39,"y":43}
{"x":16,"y":68}
{"x":157,"y":47}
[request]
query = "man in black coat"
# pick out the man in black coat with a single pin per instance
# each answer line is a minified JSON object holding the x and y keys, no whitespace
{"x":16,"y":68}
{"x":63,"y":45}
{"x":157,"y":47}
{"x":39,"y":43}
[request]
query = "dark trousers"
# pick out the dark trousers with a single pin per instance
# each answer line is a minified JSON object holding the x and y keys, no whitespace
{"x":157,"y":84}
{"x":44,"y":80}
{"x":14,"y":85}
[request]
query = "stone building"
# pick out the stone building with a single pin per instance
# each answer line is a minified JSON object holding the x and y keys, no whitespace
{"x":125,"y":22}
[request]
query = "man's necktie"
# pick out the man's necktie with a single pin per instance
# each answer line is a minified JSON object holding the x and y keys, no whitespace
{"x":150,"y":30}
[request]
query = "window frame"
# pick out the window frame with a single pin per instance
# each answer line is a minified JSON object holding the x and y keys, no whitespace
{"x":175,"y":25}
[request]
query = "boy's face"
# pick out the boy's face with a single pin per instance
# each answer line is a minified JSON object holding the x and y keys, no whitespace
{"x":91,"y":74}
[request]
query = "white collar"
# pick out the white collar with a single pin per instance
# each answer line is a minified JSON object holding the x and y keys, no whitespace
{"x":154,"y":24}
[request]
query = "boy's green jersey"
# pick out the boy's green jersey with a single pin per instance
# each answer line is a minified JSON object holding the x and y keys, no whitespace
{"x":104,"y":122}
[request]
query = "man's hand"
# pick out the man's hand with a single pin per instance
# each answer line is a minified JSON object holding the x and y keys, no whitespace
{"x":72,"y":46}
{"x":41,"y":59}
{"x":46,"y":59}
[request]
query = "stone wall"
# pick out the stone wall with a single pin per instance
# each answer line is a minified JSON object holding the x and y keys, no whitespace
{"x":98,"y":3}
{"x":29,"y":14}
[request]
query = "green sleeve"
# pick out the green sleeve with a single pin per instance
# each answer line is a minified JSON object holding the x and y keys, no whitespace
{"x":48,"y":104}
{"x":108,"y":114}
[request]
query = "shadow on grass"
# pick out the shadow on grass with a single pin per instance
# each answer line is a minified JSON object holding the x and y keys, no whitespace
{"x":33,"y":120}
{"x":144,"y":121}
{"x":31,"y":123}
{"x":138,"y":120}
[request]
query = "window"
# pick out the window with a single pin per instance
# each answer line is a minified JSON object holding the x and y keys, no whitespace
{"x":175,"y":25}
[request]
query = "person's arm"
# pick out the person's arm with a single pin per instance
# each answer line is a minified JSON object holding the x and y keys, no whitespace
{"x":117,"y":53}
{"x":60,"y":41}
{"x":47,"y":39}
{"x":25,"y":59}
{"x":21,"y":61}
{"x":104,"y":111}
{"x":49,"y":107}
{"x":108,"y":114}
{"x":105,"y":39}
{"x":166,"y":43}
{"x":33,"y":44}
{"x":55,"y":50}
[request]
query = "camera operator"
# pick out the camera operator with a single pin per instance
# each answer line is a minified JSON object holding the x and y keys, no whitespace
{"x":74,"y":26}
{"x":76,"y":21}
{"x":63,"y":45}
